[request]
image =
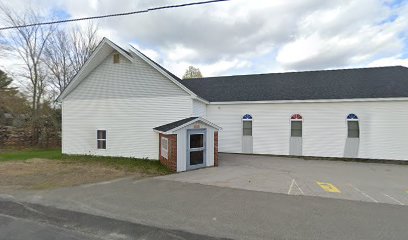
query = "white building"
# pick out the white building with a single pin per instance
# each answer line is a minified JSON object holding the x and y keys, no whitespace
{"x":122,"y":103}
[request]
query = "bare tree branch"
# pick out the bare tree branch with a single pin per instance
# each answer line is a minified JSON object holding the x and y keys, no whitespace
{"x":66,"y":52}
{"x":29,"y":44}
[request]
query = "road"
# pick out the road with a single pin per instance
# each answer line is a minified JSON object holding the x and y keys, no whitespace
{"x":21,"y":221}
{"x":227,"y":212}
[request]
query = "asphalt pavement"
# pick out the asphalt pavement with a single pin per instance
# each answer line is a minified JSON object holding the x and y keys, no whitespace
{"x":22,"y":221}
{"x":370,"y":182}
{"x":227,"y":212}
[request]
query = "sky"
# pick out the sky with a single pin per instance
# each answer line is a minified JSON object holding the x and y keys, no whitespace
{"x":250,"y":36}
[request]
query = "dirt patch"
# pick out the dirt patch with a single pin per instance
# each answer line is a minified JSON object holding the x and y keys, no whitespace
{"x":44,"y":174}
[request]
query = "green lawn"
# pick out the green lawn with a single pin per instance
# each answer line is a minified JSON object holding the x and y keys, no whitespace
{"x":128,"y":164}
{"x":29,"y":154}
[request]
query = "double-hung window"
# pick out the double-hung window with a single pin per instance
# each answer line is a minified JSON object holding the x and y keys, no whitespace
{"x":101,"y":139}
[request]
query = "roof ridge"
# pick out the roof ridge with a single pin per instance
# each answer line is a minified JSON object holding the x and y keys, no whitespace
{"x":305,"y":71}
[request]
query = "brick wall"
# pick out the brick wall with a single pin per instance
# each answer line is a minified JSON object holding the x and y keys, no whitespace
{"x":215,"y":149}
{"x":171,"y":161}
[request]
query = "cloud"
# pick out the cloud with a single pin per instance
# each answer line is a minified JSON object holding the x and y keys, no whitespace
{"x":350,"y":35}
{"x":389,"y":62}
{"x":242,"y":36}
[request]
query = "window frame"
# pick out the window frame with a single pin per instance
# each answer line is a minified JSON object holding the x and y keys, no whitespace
{"x":164,"y":151}
{"x":101,"y":139}
{"x":296,"y":118}
{"x":247,"y":118}
{"x":352,"y":118}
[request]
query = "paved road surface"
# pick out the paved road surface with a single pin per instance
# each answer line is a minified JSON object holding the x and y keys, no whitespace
{"x":22,"y":221}
{"x":230,"y":213}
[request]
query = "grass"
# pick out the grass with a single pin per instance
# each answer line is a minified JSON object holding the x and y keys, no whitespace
{"x":143,"y":166}
{"x":128,"y":164}
{"x":30,"y":154}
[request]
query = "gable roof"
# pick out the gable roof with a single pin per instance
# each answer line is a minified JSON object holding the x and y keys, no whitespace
{"x":166,"y":73}
{"x":104,"y":49}
{"x":341,"y":84}
{"x":360,"y":83}
{"x":173,"y":126}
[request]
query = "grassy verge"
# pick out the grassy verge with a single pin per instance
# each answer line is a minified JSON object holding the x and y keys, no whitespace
{"x":10,"y":155}
{"x":127,"y":164}
{"x":142,"y":166}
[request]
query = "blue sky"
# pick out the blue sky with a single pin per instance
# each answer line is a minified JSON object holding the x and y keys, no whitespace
{"x":243,"y":37}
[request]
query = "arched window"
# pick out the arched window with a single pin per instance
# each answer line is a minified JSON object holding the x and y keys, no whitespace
{"x":247,"y":125}
{"x":353,"y":128}
{"x":296,"y":121}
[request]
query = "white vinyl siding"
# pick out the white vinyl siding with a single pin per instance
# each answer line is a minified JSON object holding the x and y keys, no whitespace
{"x":125,"y":80}
{"x":127,"y":100}
{"x":130,"y":124}
{"x":199,"y":108}
{"x":383,"y":128}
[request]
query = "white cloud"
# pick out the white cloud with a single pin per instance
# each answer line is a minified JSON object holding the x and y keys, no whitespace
{"x":179,"y":53}
{"x":240,"y":36}
{"x":389,"y":62}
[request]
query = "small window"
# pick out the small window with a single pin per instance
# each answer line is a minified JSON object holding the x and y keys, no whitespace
{"x":164,"y":147}
{"x":116,"y":58}
{"x":101,"y":139}
{"x":353,"y":128}
{"x":196,"y":140}
{"x":296,"y":125}
{"x":247,"y":125}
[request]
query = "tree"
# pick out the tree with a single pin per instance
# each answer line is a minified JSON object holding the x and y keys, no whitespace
{"x":192,"y":72}
{"x":5,"y":84}
{"x":66,"y":52}
{"x":11,"y":101}
{"x":28,"y":44}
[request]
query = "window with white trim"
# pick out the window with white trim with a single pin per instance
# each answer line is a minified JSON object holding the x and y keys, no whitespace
{"x":101,"y":139}
{"x":353,"y":127}
{"x":247,"y":125}
{"x":296,"y":125}
{"x":165,"y":147}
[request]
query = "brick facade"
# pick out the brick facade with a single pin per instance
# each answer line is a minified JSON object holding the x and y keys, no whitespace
{"x":215,"y":149}
{"x":171,"y":161}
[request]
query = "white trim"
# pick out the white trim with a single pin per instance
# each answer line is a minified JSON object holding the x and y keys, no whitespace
{"x":201,"y":99}
{"x":152,"y":64}
{"x":78,"y":77}
{"x":101,"y":139}
{"x":312,"y":101}
{"x":195,"y":120}
{"x":171,"y":131}
{"x":164,"y":151}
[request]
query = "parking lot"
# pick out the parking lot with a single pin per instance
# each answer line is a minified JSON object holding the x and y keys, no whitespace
{"x":371,"y":182}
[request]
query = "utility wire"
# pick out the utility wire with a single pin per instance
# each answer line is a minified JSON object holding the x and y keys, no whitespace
{"x":112,"y":15}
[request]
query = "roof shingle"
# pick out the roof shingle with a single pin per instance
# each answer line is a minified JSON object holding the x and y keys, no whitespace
{"x":173,"y":125}
{"x":380,"y":82}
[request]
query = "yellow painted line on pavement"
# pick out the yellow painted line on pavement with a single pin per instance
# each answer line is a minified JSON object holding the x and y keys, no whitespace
{"x":328,"y":187}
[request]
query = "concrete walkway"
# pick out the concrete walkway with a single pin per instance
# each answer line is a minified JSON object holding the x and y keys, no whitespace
{"x":227,"y":212}
{"x":370,"y":182}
